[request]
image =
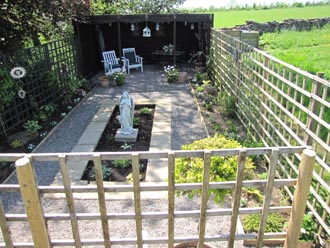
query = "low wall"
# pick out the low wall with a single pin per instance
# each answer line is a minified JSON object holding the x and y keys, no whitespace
{"x":288,"y":24}
{"x":250,"y":31}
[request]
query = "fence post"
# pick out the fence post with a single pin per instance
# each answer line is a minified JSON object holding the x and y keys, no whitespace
{"x":31,"y":199}
{"x":300,"y":198}
{"x":313,"y":107}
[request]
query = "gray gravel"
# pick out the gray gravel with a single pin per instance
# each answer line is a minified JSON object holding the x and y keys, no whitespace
{"x":186,"y":127}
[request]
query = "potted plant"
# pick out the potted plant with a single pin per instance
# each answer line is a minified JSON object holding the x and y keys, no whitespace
{"x":171,"y":73}
{"x":118,"y":77}
{"x":307,"y":233}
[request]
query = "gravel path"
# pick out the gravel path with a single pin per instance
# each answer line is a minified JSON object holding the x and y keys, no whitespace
{"x":186,"y":127}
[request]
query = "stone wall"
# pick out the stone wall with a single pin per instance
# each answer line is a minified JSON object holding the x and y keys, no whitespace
{"x":288,"y":24}
{"x":250,"y":31}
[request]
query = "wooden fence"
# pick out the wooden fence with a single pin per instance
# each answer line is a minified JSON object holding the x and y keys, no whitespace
{"x":280,"y":105}
{"x":49,"y":68}
{"x":34,"y":195}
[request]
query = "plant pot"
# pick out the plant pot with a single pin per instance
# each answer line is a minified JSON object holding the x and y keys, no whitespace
{"x":191,"y":245}
{"x":182,"y":77}
{"x":104,"y":81}
{"x":305,"y":244}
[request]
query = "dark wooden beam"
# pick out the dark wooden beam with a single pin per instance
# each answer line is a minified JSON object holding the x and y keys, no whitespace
{"x":174,"y":38}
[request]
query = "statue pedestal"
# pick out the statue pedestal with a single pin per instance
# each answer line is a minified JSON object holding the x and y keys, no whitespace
{"x":128,"y":137}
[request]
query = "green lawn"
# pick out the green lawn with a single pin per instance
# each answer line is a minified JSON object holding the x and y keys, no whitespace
{"x":309,"y":50}
{"x":231,"y":18}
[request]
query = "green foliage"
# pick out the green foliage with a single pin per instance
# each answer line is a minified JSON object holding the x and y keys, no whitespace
{"x":136,"y":121}
{"x":106,"y":172}
{"x":255,"y":193}
{"x":46,"y":111}
{"x":308,"y":228}
{"x":121,"y":163}
{"x":7,"y":88}
{"x":75,"y":84}
{"x":190,"y":170}
{"x":119,"y":77}
{"x":275,"y":223}
{"x":200,"y":88}
{"x":145,"y":111}
{"x":110,"y":138}
{"x":16,"y":143}
{"x":130,"y":6}
{"x":227,"y":104}
{"x":34,"y":21}
{"x":32,"y":126}
{"x":171,"y":73}
{"x":201,"y":76}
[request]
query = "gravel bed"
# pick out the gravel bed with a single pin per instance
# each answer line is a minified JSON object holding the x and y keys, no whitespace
{"x":186,"y":127}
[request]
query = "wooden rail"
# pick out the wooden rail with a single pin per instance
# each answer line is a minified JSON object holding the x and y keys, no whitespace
{"x":33,"y":195}
{"x":280,"y":105}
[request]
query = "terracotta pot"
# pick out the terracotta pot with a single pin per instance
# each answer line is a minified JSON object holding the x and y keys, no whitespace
{"x":104,"y":81}
{"x":305,"y":244}
{"x":182,"y":77}
{"x":191,"y":245}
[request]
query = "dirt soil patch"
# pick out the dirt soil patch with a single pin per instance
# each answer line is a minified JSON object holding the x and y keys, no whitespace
{"x":63,"y":106}
{"x":120,"y":171}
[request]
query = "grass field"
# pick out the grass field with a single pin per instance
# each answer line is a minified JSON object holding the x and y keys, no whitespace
{"x":308,"y":50}
{"x":231,"y":18}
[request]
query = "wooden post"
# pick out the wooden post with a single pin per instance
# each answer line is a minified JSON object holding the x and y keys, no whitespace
{"x":174,"y":39}
{"x":300,"y":198}
{"x":237,"y":197}
{"x":119,"y":36}
{"x":5,"y":228}
{"x":31,"y":199}
{"x":313,"y":106}
{"x":171,"y":198}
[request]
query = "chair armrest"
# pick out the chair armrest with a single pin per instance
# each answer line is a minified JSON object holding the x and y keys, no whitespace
{"x":139,"y":59}
{"x":126,"y":61}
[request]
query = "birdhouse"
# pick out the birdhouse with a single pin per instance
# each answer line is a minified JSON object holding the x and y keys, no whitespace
{"x":146,"y":32}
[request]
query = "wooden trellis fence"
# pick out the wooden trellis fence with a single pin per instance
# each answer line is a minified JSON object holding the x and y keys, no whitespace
{"x":33,"y":196}
{"x":280,"y":105}
{"x":49,"y":68}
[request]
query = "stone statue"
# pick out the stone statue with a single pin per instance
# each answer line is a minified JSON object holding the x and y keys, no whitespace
{"x":126,"y":108}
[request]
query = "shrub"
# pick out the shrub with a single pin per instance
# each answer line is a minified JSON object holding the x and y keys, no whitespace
{"x":275,"y":223}
{"x":16,"y":143}
{"x":32,"y":126}
{"x":308,"y":229}
{"x":190,"y":170}
{"x":227,"y":105}
{"x":106,"y":172}
{"x":145,"y":111}
{"x":122,"y":163}
{"x":171,"y":73}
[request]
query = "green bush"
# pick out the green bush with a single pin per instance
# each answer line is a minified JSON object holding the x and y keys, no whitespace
{"x":145,"y":111}
{"x":275,"y":223}
{"x":190,"y":170}
{"x":32,"y":126}
{"x":16,"y":143}
{"x":227,"y":105}
{"x":122,"y":163}
{"x":308,"y":229}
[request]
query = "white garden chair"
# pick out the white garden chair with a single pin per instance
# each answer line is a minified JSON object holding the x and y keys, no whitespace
{"x":111,"y":63}
{"x":132,"y":60}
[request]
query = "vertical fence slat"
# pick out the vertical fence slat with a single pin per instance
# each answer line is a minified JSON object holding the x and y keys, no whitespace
{"x":205,"y":188}
{"x":5,"y":228}
{"x":237,"y":196}
{"x":69,"y":199}
{"x":137,"y":198}
{"x":300,"y":198}
{"x":171,"y":206}
{"x":268,"y":196}
{"x":101,"y":198}
{"x":31,"y":198}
